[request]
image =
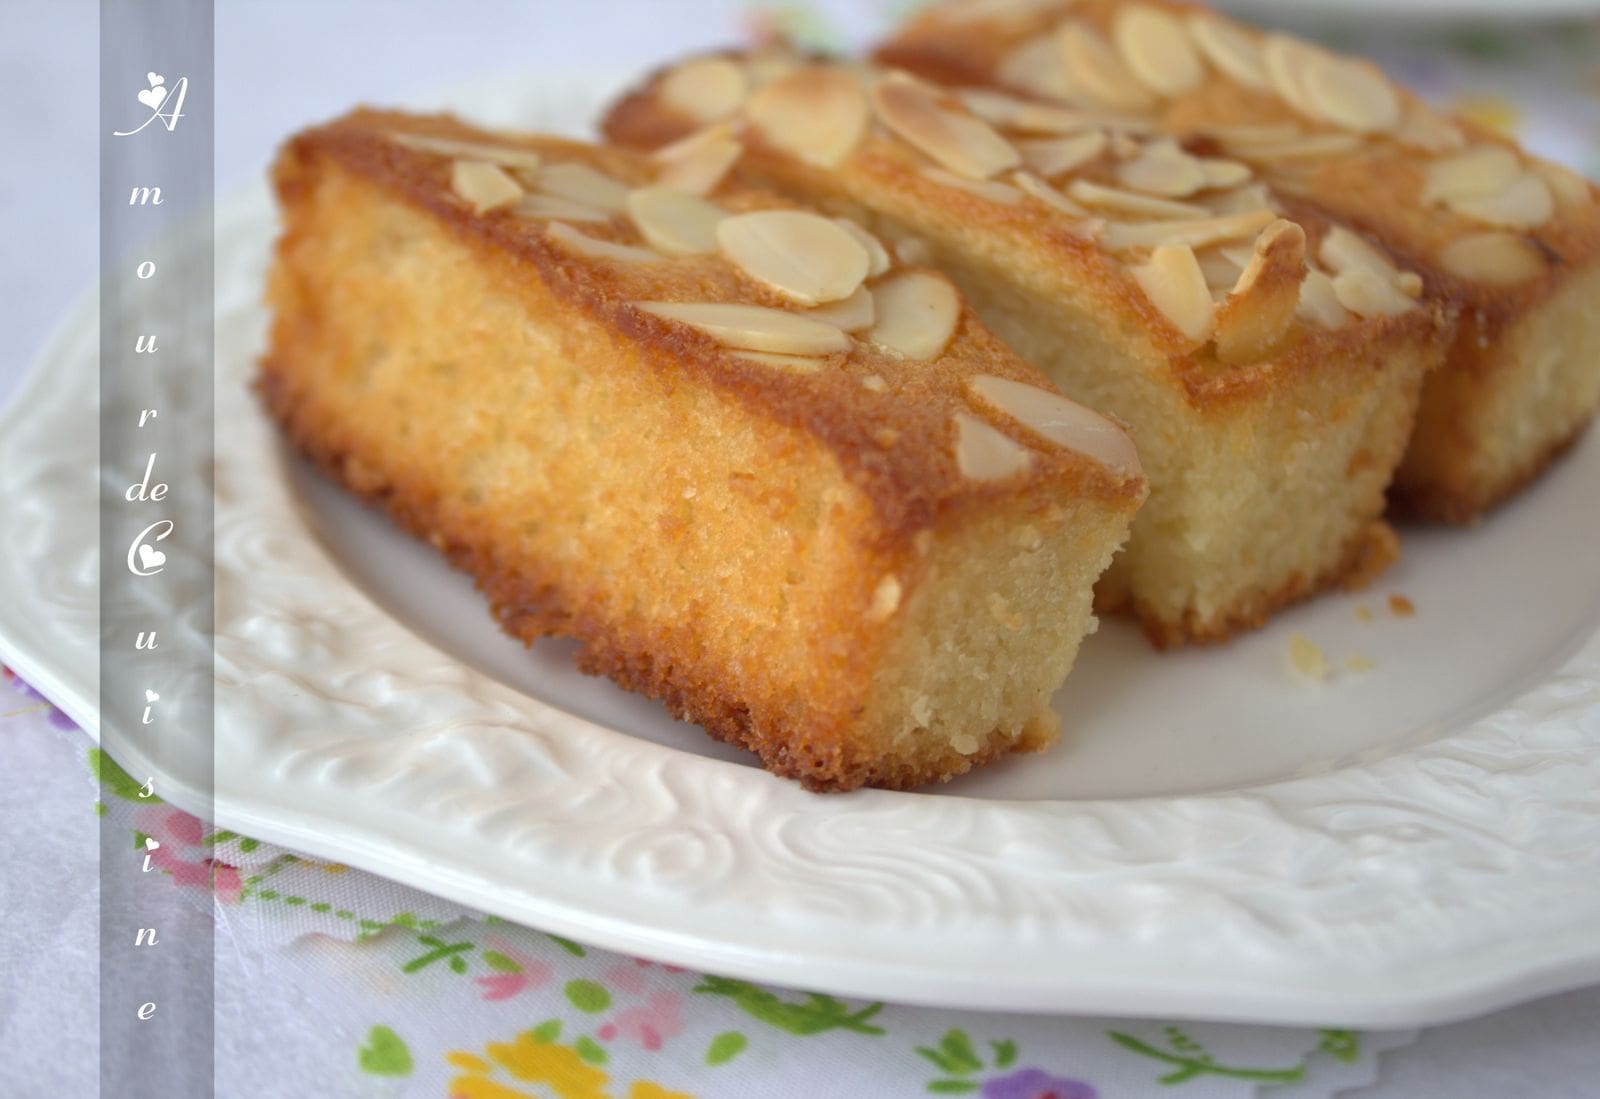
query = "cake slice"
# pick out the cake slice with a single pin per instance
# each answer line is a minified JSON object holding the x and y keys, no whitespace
{"x":1266,"y":358}
{"x":759,"y":467}
{"x":1509,"y":242}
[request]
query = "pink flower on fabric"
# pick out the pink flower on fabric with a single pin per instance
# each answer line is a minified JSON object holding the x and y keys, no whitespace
{"x":181,"y":852}
{"x":515,"y":972}
{"x":650,"y":1023}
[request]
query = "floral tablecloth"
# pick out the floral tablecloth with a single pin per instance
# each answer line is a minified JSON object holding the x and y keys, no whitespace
{"x":333,"y":982}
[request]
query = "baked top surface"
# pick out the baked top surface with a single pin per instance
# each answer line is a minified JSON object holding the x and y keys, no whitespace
{"x":1487,"y":226}
{"x":901,"y":426}
{"x":1092,"y":203}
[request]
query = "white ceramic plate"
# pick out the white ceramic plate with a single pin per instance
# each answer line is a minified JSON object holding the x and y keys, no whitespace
{"x":1215,"y":838}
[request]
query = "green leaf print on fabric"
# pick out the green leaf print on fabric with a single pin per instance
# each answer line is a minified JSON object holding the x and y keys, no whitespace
{"x":441,"y":951}
{"x":590,"y":1050}
{"x":118,"y":781}
{"x":725,"y":1047}
{"x":816,"y":1014}
{"x":590,"y":996}
{"x":1344,"y":1045}
{"x":499,"y":962}
{"x":385,"y":1053}
{"x":1191,"y":1059}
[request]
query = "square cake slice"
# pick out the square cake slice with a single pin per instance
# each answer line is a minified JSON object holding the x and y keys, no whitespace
{"x":756,"y":465}
{"x":1506,"y":241}
{"x":1266,"y":360}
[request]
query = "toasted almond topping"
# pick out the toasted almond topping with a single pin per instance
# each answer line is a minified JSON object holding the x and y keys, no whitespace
{"x":802,"y":255}
{"x":1352,"y":94}
{"x":1122,"y":237}
{"x":753,"y":327}
{"x":675,"y":221}
{"x":885,"y":599}
{"x":1287,"y":61}
{"x":878,"y":260}
{"x":585,"y":245}
{"x":1568,"y":187}
{"x":1225,"y":173}
{"x":1315,"y":145}
{"x":483,"y":186}
{"x":1131,"y":202}
{"x":1032,"y":185}
{"x":769,"y":63}
{"x":1175,"y":285}
{"x":1124,"y":147}
{"x":1368,"y":295}
{"x":817,"y":113}
{"x":963,"y":143}
{"x":1341,"y":251}
{"x":984,"y":454}
{"x":1478,"y":172}
{"x":1058,"y":156}
{"x":541,"y":207}
{"x":506,"y":156}
{"x":698,"y":162}
{"x":1243,"y":200}
{"x":705,"y":89}
{"x":1319,"y":303}
{"x":581,"y":183}
{"x":1058,"y":420}
{"x":1269,"y":133}
{"x":992,"y":190}
{"x":795,"y":364}
{"x":1257,"y":315}
{"x":1220,"y":268}
{"x":1162,"y":168}
{"x":994,"y":11}
{"x":1093,"y":67}
{"x":1035,"y":67}
{"x":917,"y":314}
{"x":1023,"y":115}
{"x":1230,"y":49}
{"x":1494,"y":259}
{"x":1525,"y":204}
{"x":853,"y":314}
{"x":1428,"y":131}
{"x":1156,"y":49}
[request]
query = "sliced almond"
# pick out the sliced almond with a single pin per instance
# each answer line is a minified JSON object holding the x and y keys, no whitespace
{"x":1368,"y":295}
{"x":1525,"y":204}
{"x":1121,"y":237}
{"x":853,"y":314}
{"x":817,"y":113}
{"x":1478,"y":172}
{"x":1298,"y":148}
{"x":1266,"y":133}
{"x":983,"y":453}
{"x":1131,"y":202}
{"x":1220,"y":269}
{"x":581,"y":183}
{"x":1428,"y":131}
{"x":1032,"y":185}
{"x":1175,"y":285}
{"x":1242,"y":200}
{"x":1257,"y":315}
{"x":801,"y":255}
{"x":1225,"y":173}
{"x":1094,"y":68}
{"x":988,"y":189}
{"x":878,"y":260}
{"x":699,"y":162}
{"x":1156,"y":49}
{"x":1010,"y":113}
{"x":753,"y":327}
{"x":794,"y":364}
{"x":1568,"y":187}
{"x":483,"y":186}
{"x":506,"y":156}
{"x":917,"y":314}
{"x":1341,"y":251}
{"x":1351,"y":94}
{"x":541,"y":207}
{"x":1124,"y":147}
{"x":594,"y":248}
{"x":963,"y":143}
{"x":1230,"y":49}
{"x":705,"y":89}
{"x":1319,"y":303}
{"x":1036,"y":67}
{"x":1057,"y":156}
{"x":1058,"y":420}
{"x":1287,"y":61}
{"x":675,"y":221}
{"x":1493,"y":259}
{"x":1162,"y":168}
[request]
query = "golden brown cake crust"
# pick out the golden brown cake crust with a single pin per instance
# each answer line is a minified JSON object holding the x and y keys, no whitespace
{"x":908,"y":498}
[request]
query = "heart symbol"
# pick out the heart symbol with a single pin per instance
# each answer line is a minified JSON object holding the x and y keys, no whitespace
{"x":151,"y":843}
{"x":151,"y":696}
{"x":151,"y":558}
{"x":155,"y":78}
{"x":153,"y":97}
{"x":385,"y":1054}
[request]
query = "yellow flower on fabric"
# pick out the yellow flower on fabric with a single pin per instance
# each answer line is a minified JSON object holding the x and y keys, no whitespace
{"x":535,"y":1059}
{"x":644,"y":1089}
